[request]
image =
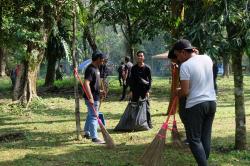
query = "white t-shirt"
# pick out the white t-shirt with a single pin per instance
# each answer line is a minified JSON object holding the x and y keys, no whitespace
{"x":199,"y":71}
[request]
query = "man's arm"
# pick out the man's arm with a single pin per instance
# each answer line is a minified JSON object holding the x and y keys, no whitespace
{"x":88,"y":91}
{"x":184,"y":90}
{"x":125,"y":72}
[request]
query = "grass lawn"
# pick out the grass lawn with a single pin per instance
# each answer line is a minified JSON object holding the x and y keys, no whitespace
{"x":49,"y":127}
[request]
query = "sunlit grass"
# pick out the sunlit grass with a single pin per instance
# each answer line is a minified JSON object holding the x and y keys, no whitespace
{"x":49,"y":127}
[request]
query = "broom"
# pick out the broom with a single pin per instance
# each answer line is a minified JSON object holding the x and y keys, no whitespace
{"x":174,"y":85}
{"x":106,"y":136}
{"x":153,"y":154}
{"x":175,"y":135}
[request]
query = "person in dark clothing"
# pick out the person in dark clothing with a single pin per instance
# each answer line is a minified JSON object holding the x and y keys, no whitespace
{"x":126,"y":76}
{"x":120,"y":71}
{"x":13,"y":75}
{"x":140,"y":82}
{"x":140,"y":79}
{"x":104,"y":72}
{"x":215,"y":74}
{"x":59,"y":73}
{"x":92,"y":96}
{"x":13,"y":78}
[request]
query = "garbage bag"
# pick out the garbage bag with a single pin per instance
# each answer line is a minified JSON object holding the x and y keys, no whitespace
{"x":136,"y":117}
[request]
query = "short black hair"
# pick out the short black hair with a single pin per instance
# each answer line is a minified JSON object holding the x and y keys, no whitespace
{"x":171,"y":54}
{"x":140,"y":51}
{"x":127,"y":58}
{"x":97,"y":54}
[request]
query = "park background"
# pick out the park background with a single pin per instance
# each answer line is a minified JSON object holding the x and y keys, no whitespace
{"x":39,"y":36}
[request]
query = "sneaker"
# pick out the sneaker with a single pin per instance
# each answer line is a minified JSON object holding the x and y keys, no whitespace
{"x":98,"y":141}
{"x":85,"y":135}
{"x":185,"y":142}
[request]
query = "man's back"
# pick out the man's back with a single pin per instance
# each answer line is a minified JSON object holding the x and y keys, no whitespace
{"x":198,"y":70}
{"x":128,"y":67}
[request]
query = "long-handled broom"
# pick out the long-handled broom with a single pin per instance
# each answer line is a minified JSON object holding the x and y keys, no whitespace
{"x":153,"y":154}
{"x":175,"y":135}
{"x":106,"y":136}
{"x":174,"y":84}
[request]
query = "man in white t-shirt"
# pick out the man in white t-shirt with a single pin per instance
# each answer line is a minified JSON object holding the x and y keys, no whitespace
{"x":196,"y":76}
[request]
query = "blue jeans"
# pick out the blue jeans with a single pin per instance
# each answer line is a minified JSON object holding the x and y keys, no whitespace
{"x":91,"y":123}
{"x":199,"y":127}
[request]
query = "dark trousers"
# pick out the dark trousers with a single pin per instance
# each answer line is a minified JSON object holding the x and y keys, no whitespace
{"x":124,"y":89}
{"x":199,"y":124}
{"x":182,"y":112}
{"x":120,"y":80}
{"x":137,"y":95}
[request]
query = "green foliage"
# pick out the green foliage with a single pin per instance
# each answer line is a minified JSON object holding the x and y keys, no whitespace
{"x":56,"y":45}
{"x":137,"y":19}
{"x":83,"y":15}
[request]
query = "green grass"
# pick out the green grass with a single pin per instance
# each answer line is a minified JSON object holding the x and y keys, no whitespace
{"x":49,"y":127}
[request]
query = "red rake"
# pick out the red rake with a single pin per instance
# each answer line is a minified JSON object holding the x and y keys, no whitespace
{"x":106,"y":136}
{"x":153,"y":154}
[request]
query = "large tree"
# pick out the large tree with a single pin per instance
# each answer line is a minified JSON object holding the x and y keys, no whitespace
{"x":237,"y":21}
{"x":30,"y":28}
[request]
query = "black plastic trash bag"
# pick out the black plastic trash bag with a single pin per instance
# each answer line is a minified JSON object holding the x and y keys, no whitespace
{"x":136,"y":117}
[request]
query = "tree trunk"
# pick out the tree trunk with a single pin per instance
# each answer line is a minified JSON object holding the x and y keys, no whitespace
{"x":2,"y":54}
{"x":240,"y":117}
{"x":90,"y":38}
{"x":2,"y":62}
{"x":25,"y":87}
{"x":248,"y":63}
{"x":51,"y":70}
{"x":226,"y":70}
{"x":77,"y":102}
{"x":129,"y":50}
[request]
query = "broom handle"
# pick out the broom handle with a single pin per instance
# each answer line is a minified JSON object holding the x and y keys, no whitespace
{"x":165,"y":124}
{"x":84,"y":89}
{"x":102,"y":88}
{"x":174,"y":85}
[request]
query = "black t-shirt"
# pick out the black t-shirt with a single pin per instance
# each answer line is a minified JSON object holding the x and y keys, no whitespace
{"x":93,"y":75}
{"x":120,"y":70}
{"x":140,"y":79}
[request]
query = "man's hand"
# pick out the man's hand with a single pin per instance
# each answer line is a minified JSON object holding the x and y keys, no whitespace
{"x":177,"y":92}
{"x":130,"y":95}
{"x":91,"y":101}
{"x":103,"y":94}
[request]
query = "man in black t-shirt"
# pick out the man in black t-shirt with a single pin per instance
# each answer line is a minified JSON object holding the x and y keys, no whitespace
{"x":140,"y":83}
{"x":104,"y":72}
{"x":92,"y":96}
{"x":140,"y":79}
{"x":121,"y":70}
